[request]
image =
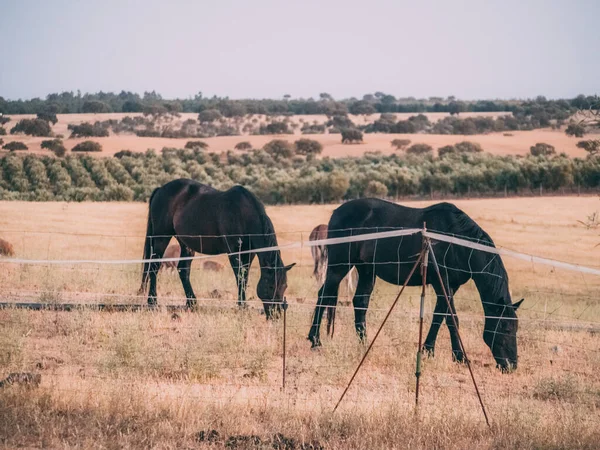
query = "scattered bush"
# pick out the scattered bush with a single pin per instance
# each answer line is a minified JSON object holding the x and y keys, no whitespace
{"x":312,"y":128}
{"x":56,"y":146}
{"x":400,"y":144}
{"x":351,"y":136}
{"x":4,"y":120}
{"x":2,"y":131}
{"x":48,"y":117}
{"x":196,"y":144}
{"x":87,"y":146}
{"x":6,"y":248}
{"x":279,"y":149}
{"x":1,"y":141}
{"x":308,"y":147}
{"x":244,"y":145}
{"x":86,"y":129}
{"x":275,"y":127}
{"x":468,"y":147}
{"x":32,"y":127}
{"x":576,"y":130}
{"x":95,"y":107}
{"x":15,"y":145}
{"x":446,"y":150}
{"x":590,"y":146}
{"x":419,"y":149}
{"x":376,"y":189}
{"x":542,"y":149}
{"x":209,"y":115}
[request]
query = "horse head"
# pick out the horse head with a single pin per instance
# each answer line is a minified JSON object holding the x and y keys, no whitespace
{"x":500,"y":333}
{"x":271,"y":288}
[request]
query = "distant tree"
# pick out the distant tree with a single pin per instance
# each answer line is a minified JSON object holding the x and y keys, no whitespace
{"x":362,"y":107}
{"x":325,"y":96}
{"x":56,"y":146}
{"x":32,"y":127}
{"x":244,"y":145}
{"x":87,"y":146}
{"x":48,"y":117}
{"x":590,"y":146}
{"x":419,"y":149}
{"x":15,"y":145}
{"x":334,"y":186}
{"x":209,"y":115}
{"x":376,"y":189}
{"x":308,"y":147}
{"x":400,"y":144}
{"x":132,"y":106}
{"x":2,"y":131}
{"x":468,"y":147}
{"x":196,"y":144}
{"x":456,"y":107}
{"x":340,"y":122}
{"x":351,"y":135}
{"x":154,"y":110}
{"x":287,"y":97}
{"x":446,"y":150}
{"x":275,"y":127}
{"x":86,"y":129}
{"x":576,"y":130}
{"x":542,"y":149}
{"x":95,"y":107}
{"x":4,"y":119}
{"x":279,"y":149}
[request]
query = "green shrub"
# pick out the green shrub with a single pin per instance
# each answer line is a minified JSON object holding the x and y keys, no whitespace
{"x":308,"y":147}
{"x":542,"y":149}
{"x":591,"y":146}
{"x":244,"y":145}
{"x":95,"y":106}
{"x":15,"y":145}
{"x":279,"y":149}
{"x":87,"y":146}
{"x":86,"y":129}
{"x":48,"y":117}
{"x":196,"y":144}
{"x":56,"y":146}
{"x":376,"y":189}
{"x":2,"y":131}
{"x":400,"y":144}
{"x":118,"y":193}
{"x":4,"y":120}
{"x":419,"y":149}
{"x":209,"y":115}
{"x":350,"y":136}
{"x":32,"y":127}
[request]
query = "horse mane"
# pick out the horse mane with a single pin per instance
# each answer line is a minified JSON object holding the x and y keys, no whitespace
{"x":268,"y":230}
{"x":466,"y":228}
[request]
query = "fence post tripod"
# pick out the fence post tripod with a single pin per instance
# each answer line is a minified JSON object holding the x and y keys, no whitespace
{"x":412,"y":271}
{"x":425,"y":253}
{"x":453,"y":317}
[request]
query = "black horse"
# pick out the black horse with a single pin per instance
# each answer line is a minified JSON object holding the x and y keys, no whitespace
{"x":392,"y":258}
{"x":212,"y":222}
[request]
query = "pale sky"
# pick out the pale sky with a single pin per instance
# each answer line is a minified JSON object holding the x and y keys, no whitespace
{"x":268,"y":48}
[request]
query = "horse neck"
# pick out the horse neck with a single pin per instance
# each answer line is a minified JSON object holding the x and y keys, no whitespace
{"x":493,"y":285}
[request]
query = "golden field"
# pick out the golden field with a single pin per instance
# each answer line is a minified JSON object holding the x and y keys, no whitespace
{"x":496,"y":143}
{"x":150,"y":379}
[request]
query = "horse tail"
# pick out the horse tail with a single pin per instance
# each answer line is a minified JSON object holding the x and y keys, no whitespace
{"x":147,"y":246}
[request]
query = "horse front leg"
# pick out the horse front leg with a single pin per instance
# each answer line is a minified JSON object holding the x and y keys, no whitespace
{"x":360,"y":301}
{"x":241,"y":268}
{"x":159,"y":247}
{"x":184,"y":268}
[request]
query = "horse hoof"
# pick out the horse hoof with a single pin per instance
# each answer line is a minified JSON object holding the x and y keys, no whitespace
{"x":314,"y":342}
{"x":429,"y":351}
{"x":458,"y":357}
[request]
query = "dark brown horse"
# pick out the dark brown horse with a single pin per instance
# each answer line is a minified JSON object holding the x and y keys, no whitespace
{"x":212,"y":222}
{"x":392,"y":258}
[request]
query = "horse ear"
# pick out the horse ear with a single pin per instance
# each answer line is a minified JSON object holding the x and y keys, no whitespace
{"x":517,"y":304}
{"x":286,"y":268}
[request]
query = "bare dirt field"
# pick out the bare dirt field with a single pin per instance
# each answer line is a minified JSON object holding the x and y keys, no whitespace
{"x":214,"y":378}
{"x":496,"y":143}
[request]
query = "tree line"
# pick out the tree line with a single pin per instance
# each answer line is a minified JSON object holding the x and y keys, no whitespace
{"x":287,"y":174}
{"x":130,"y":102}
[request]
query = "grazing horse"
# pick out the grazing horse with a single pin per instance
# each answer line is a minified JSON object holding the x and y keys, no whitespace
{"x":392,"y":258}
{"x":319,"y":255}
{"x":212,"y":222}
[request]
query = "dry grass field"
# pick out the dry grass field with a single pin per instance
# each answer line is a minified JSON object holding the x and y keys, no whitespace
{"x":213,"y":378}
{"x":496,"y":143}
